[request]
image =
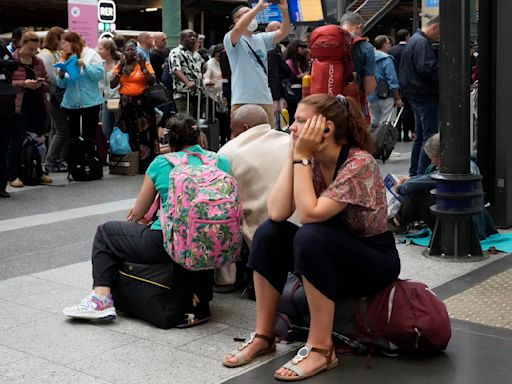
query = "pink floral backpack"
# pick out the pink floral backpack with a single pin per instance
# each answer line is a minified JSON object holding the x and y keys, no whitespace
{"x":202,"y":226}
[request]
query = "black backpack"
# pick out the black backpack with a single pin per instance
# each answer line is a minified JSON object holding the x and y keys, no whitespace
{"x":84,"y":162}
{"x":31,"y":169}
{"x":160,"y":294}
{"x":386,"y":135}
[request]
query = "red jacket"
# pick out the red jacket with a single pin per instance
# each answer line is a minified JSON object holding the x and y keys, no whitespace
{"x":20,"y":75}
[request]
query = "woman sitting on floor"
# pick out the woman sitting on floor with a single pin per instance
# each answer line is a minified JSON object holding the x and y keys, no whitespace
{"x":119,"y":241}
{"x":343,"y":248}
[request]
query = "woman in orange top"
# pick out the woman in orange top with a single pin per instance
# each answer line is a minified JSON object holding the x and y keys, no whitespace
{"x":134,"y":75}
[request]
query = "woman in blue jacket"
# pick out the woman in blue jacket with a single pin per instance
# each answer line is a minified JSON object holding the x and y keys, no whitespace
{"x":82,"y":97}
{"x":387,"y":93}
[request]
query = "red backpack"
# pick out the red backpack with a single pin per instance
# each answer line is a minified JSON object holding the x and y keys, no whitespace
{"x":408,"y":315}
{"x":331,"y":51}
{"x":333,"y":67}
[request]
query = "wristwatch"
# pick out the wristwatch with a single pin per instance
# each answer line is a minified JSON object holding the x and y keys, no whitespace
{"x":302,"y":161}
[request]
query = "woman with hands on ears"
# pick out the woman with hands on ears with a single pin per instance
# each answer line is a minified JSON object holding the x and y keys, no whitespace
{"x":343,"y":248}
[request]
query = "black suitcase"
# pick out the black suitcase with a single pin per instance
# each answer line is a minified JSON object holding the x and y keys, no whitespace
{"x":213,"y":127}
{"x":163,"y":294}
{"x":209,"y":126}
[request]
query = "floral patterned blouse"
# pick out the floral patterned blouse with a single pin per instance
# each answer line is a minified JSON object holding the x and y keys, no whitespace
{"x":358,"y":184}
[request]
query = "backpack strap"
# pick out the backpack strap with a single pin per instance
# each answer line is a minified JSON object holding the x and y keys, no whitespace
{"x":205,"y":159}
{"x":174,"y":159}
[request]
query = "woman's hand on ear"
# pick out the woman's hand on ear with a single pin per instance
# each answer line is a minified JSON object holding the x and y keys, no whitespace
{"x":310,"y":138}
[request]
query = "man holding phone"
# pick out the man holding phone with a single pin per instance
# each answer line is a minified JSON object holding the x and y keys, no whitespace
{"x":247,"y":53}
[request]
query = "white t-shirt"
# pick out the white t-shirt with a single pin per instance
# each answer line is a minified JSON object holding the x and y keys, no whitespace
{"x":249,"y":83}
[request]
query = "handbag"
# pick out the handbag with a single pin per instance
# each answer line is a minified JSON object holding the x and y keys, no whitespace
{"x":113,"y":104}
{"x":127,"y":165}
{"x":155,"y":94}
{"x":119,"y":142}
{"x":286,"y":86}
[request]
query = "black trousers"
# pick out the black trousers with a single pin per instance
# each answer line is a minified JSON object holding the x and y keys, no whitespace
{"x":335,"y":262}
{"x":415,"y":207}
{"x":90,"y":118}
{"x":119,"y":241}
{"x":406,"y":121}
{"x":6,"y":125}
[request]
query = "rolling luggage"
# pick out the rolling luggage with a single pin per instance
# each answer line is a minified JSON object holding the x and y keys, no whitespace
{"x":209,"y":126}
{"x":213,"y":131}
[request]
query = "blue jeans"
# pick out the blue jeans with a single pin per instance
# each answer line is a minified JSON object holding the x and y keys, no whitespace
{"x":108,"y":120}
{"x":426,"y":118}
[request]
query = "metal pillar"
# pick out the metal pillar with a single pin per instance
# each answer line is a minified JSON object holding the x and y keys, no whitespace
{"x":415,"y":16}
{"x":454,"y":237}
{"x":171,"y":21}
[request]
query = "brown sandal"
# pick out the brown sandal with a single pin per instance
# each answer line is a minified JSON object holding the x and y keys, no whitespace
{"x":302,"y":354}
{"x":242,"y":360}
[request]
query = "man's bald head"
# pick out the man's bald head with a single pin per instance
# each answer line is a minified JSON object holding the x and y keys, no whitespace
{"x":160,"y":39}
{"x":273,"y":26}
{"x":145,"y":40}
{"x":246,"y":117}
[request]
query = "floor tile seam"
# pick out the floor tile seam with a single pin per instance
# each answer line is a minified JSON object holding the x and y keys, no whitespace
{"x":93,"y":356}
{"x":68,"y":245}
{"x":17,"y":350}
{"x":178,"y":346}
{"x":64,"y":285}
{"x":197,"y":355}
{"x":49,"y":315}
{"x":36,"y":308}
{"x":251,"y":367}
{"x":462,"y":329}
{"x":67,"y":367}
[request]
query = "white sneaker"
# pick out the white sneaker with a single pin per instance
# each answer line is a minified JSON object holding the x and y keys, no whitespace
{"x":92,"y":307}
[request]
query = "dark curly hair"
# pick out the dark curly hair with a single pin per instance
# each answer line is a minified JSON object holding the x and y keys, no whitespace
{"x":183,"y":131}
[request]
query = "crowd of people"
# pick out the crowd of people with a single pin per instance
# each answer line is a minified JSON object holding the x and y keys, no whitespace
{"x":314,"y":201}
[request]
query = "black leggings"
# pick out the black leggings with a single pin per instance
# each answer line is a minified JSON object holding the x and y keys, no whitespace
{"x":335,"y":262}
{"x":89,"y":124}
{"x":118,"y":241}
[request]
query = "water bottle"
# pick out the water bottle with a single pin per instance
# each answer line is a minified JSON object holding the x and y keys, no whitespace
{"x":285,"y":118}
{"x":306,"y":82}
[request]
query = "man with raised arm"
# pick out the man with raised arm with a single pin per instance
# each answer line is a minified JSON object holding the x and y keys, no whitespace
{"x":247,"y":53}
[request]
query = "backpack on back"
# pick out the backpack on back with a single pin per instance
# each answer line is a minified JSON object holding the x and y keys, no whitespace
{"x":202,"y":227}
{"x":406,"y":316}
{"x":31,"y":169}
{"x":84,"y":163}
{"x":333,"y":71}
{"x":331,"y":51}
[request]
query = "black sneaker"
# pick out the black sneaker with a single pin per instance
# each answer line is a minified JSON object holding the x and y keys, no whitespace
{"x":397,"y":229}
{"x":4,"y":194}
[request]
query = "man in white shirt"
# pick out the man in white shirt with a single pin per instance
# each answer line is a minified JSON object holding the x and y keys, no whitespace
{"x":247,"y":53}
{"x":256,"y":154}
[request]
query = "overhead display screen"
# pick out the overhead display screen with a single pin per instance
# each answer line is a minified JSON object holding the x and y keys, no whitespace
{"x":306,"y":11}
{"x":301,"y":12}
